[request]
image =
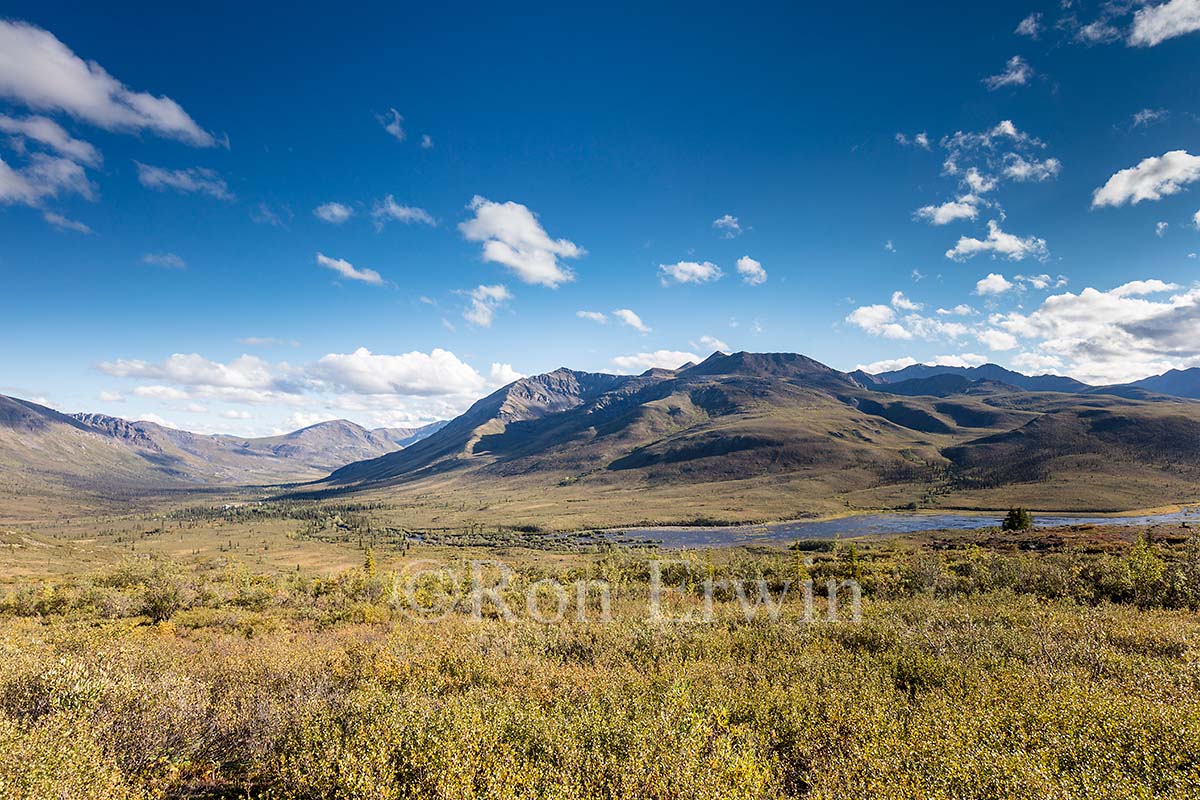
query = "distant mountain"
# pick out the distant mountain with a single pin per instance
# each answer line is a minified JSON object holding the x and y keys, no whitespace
{"x":1177,"y":383}
{"x":752,"y":435}
{"x":988,"y":372}
{"x":96,"y":450}
{"x":943,"y":386}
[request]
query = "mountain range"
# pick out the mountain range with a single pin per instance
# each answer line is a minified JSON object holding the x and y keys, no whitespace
{"x":738,"y":436}
{"x":97,"y":451}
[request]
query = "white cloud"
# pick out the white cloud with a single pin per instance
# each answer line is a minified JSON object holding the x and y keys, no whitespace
{"x":1152,"y":179}
{"x":39,"y":71}
{"x":752,"y":271}
{"x":393,"y":123}
{"x":233,"y":413}
{"x":246,"y":372}
{"x":993,"y":284}
{"x":903,"y":303}
{"x":1196,"y":220}
{"x":503,"y":374}
{"x":1148,"y":116}
{"x":157,"y":420}
{"x":1031,"y":26}
{"x":628,"y":317}
{"x":1153,"y":25}
{"x":165,"y":260}
{"x":1017,"y":72}
{"x":594,"y":316}
{"x":333,"y":213}
{"x":710,"y":344}
{"x":1117,"y":335}
{"x":659,"y":359}
{"x":878,"y":320}
{"x":960,"y":360}
{"x":1160,"y":228}
{"x":1019,"y":169}
{"x":263,"y":214}
{"x":388,"y":210}
{"x":513,"y":236}
{"x":49,"y":133}
{"x":485,"y":300}
{"x":426,"y":141}
{"x":348,"y":271}
{"x":961,"y":310}
{"x":112,"y":397}
{"x":964,"y":208}
{"x":439,"y":372}
{"x":161,"y":393}
{"x":45,"y":176}
{"x":887,"y":365}
{"x":64,"y":224}
{"x":729,"y":226}
{"x":1040,"y":282}
{"x":920,"y":140}
{"x":999,"y":243}
{"x":192,"y":180}
{"x":996,"y":340}
{"x":689,"y":272}
{"x":1143,"y":288}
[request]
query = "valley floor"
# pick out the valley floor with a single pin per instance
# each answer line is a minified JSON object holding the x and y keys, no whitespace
{"x":239,"y":653}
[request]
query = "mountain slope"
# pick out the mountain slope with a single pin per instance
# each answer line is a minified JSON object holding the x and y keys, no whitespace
{"x":766,"y":435}
{"x":102,"y":452}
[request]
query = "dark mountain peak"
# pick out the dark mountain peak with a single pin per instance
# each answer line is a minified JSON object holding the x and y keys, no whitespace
{"x":767,"y":365}
{"x":549,"y":393}
{"x":23,"y":415}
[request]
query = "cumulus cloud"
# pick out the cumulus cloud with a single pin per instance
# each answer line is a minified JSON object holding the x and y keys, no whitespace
{"x":961,"y":310}
{"x":752,"y":271}
{"x":628,"y":317}
{"x":1152,"y":179}
{"x":900,"y":301}
{"x":1022,"y":170}
{"x":1125,"y":333}
{"x":729,"y":226}
{"x":348,"y":270}
{"x":393,"y":123}
{"x":659,"y":359}
{"x":999,"y":243}
{"x":966,"y":207}
{"x":993,"y":284}
{"x":388,"y":210}
{"x":194,"y":180}
{"x":40,"y":72}
{"x":333,"y":213}
{"x":1017,"y":72}
{"x":49,"y":133}
{"x":512,"y":236}
{"x":1153,"y":25}
{"x":878,"y":320}
{"x":485,"y":300}
{"x":439,"y":372}
{"x":164,"y":260}
{"x":688,"y":272}
{"x":993,"y":339}
{"x":426,"y":141}
{"x":594,"y":316}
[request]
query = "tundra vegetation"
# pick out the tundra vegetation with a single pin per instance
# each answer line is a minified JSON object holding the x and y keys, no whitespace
{"x":994,"y":664}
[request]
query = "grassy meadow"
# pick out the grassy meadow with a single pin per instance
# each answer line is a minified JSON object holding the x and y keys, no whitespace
{"x":276,"y":653}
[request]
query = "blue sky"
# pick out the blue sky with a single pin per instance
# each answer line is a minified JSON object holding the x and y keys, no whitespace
{"x":163,"y":256}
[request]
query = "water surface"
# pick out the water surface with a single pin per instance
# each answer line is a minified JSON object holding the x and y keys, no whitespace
{"x":869,"y":525}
